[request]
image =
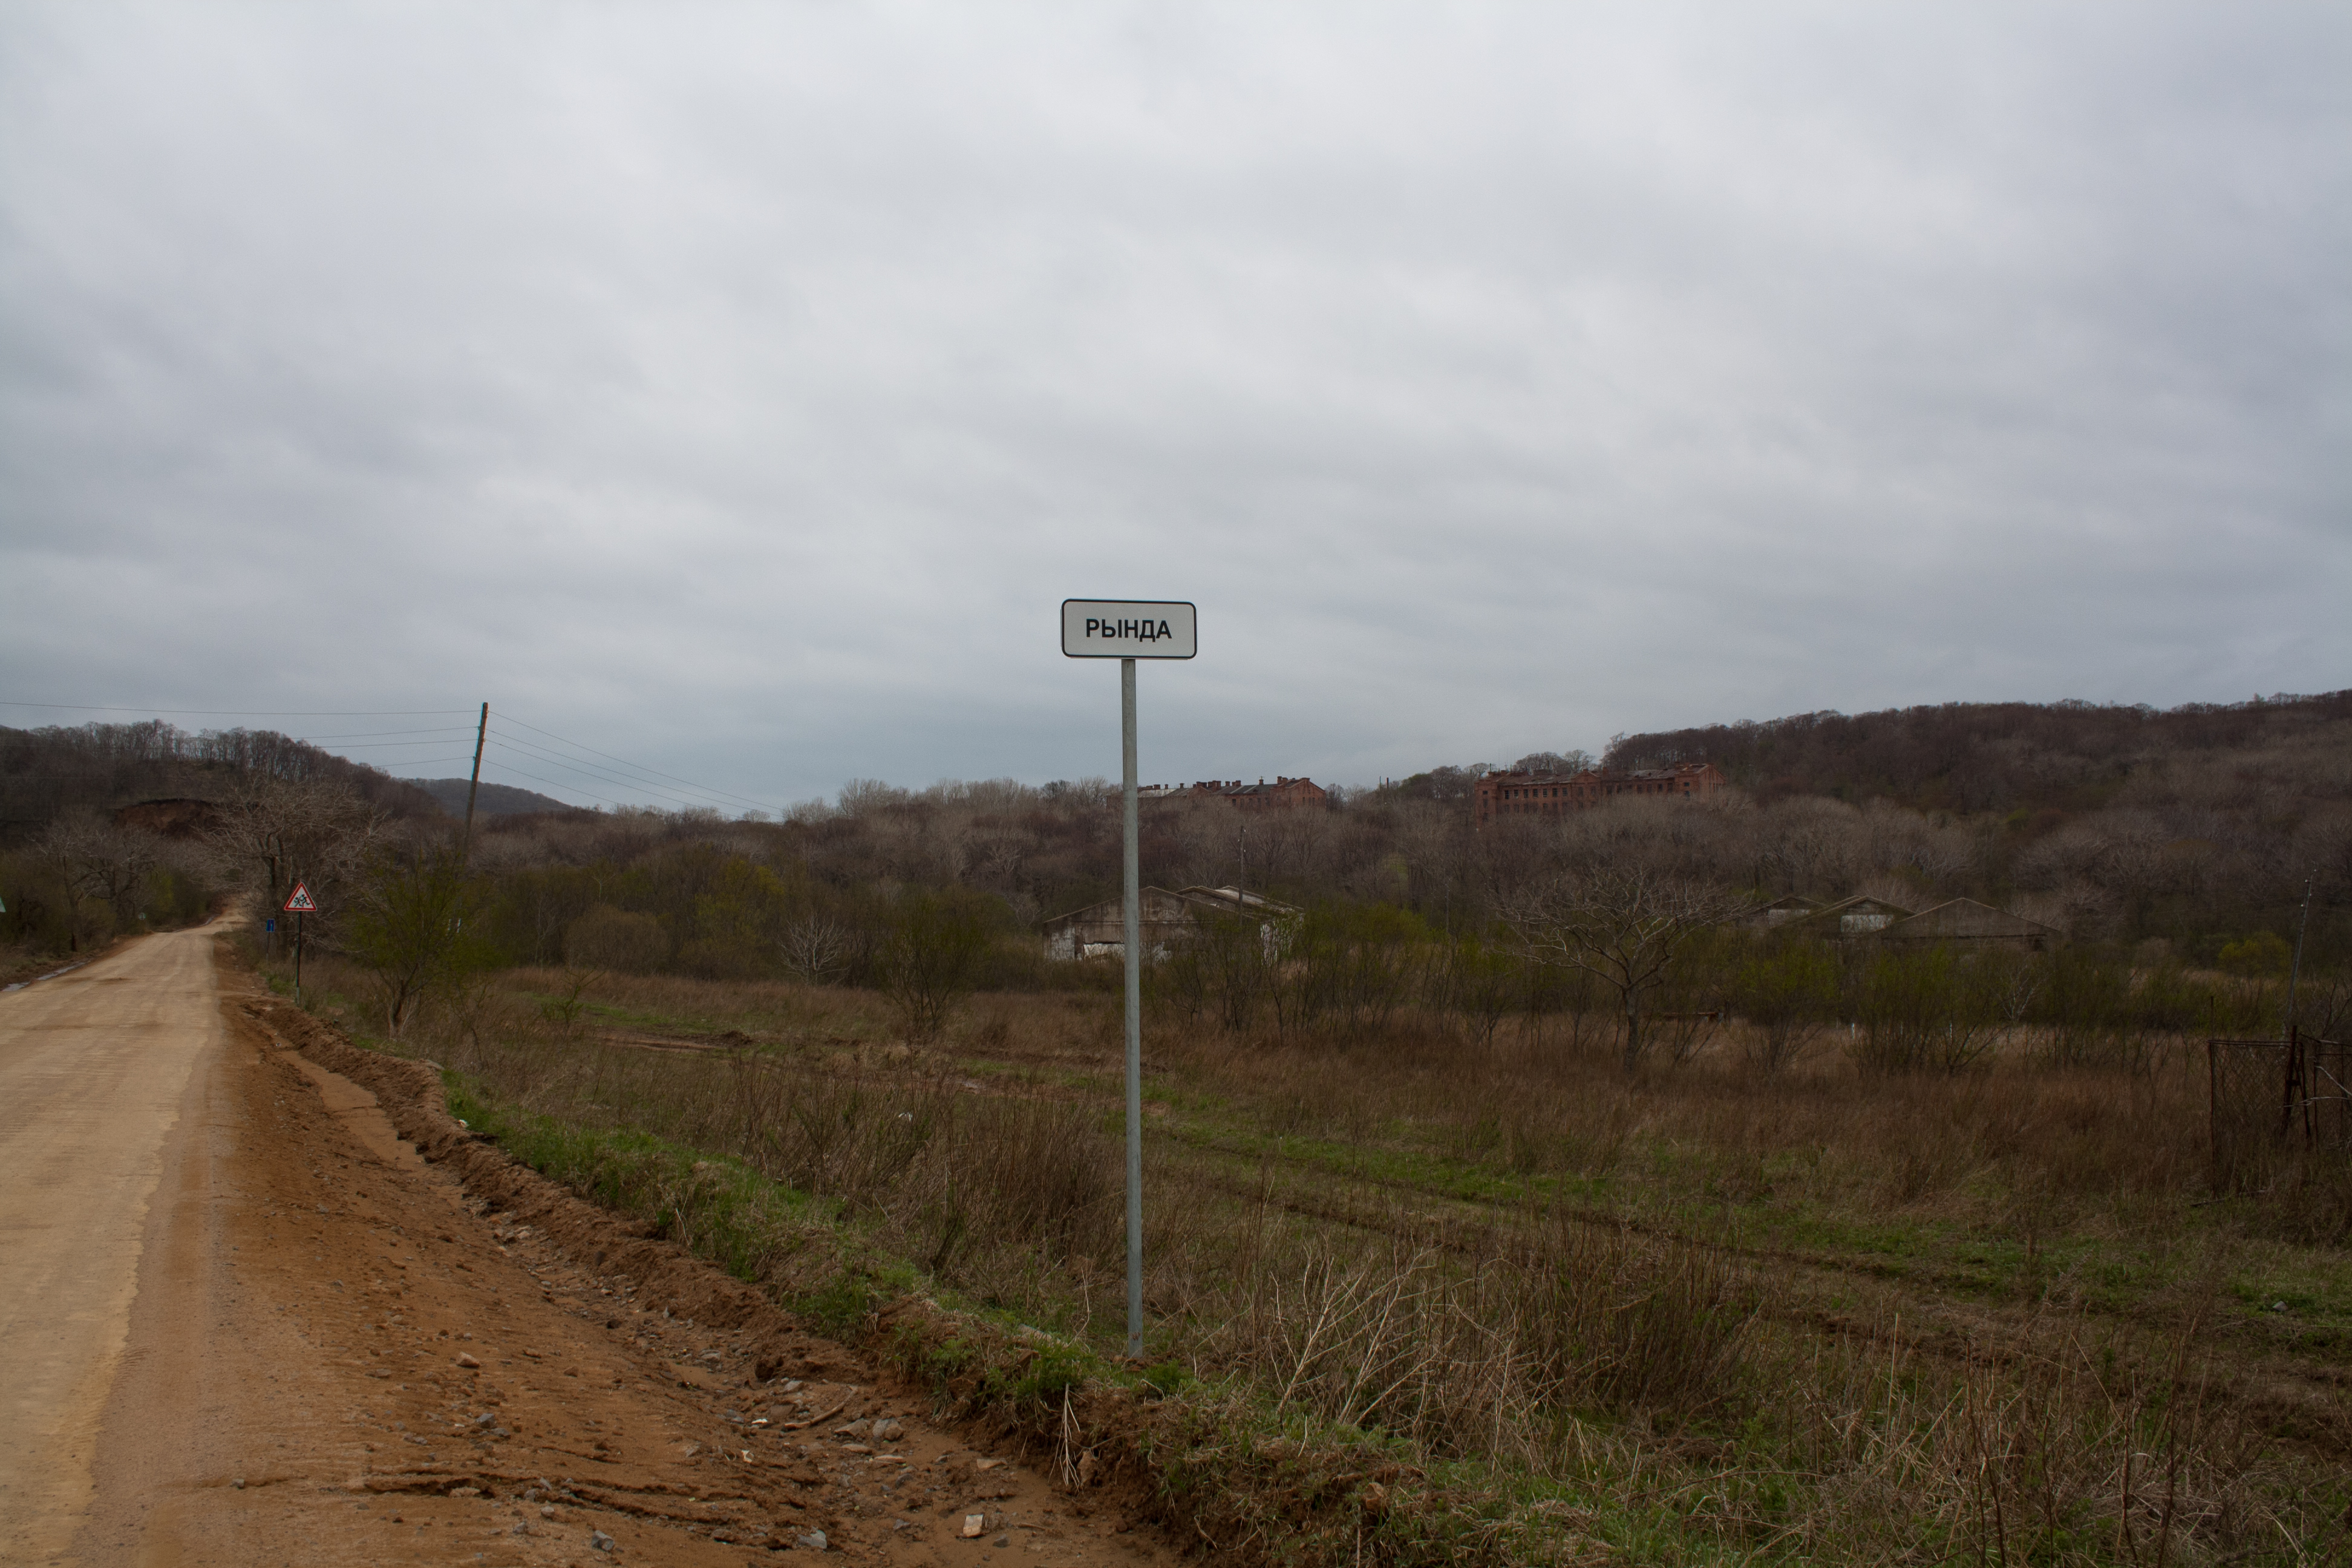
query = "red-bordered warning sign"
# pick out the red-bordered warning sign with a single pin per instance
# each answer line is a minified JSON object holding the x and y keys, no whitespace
{"x":300,"y":902}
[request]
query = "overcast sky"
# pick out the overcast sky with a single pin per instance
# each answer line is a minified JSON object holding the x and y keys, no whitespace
{"x":738,"y":389}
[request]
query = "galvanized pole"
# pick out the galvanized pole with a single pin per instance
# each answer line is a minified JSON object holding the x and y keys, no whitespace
{"x":1134,"y":946}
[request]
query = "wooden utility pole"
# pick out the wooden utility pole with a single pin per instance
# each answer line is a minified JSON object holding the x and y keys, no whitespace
{"x":473,"y":784}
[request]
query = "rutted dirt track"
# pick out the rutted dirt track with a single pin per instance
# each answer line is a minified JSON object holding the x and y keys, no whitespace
{"x":242,"y":1322}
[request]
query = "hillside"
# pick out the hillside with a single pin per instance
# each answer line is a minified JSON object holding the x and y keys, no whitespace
{"x":1970,"y":757}
{"x":43,"y":772}
{"x":493,"y":800}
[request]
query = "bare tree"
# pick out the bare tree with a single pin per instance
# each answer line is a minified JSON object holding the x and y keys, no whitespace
{"x":99,"y":860}
{"x":1621,"y":925}
{"x":933,"y":957}
{"x":269,"y":831}
{"x":815,"y":947}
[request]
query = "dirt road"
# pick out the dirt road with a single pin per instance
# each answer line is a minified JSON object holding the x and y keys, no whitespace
{"x":94,"y":1068}
{"x":242,"y":1322}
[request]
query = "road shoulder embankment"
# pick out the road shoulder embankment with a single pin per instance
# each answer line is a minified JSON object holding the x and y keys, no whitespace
{"x":362,"y":1335}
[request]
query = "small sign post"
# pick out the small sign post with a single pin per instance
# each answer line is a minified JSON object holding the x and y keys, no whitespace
{"x":298,"y":904}
{"x":1127,"y":630}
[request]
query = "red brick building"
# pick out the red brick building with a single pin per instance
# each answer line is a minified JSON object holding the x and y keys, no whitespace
{"x":1261,"y":796}
{"x":1551,"y":795}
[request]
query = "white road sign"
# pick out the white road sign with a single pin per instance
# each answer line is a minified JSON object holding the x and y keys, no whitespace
{"x":1128,"y":629}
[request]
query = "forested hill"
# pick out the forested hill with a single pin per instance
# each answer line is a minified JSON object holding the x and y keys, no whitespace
{"x":2010,"y":756}
{"x":45,"y":773}
{"x":492,"y":799}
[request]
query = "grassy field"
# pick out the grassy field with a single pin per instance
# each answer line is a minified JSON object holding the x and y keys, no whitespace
{"x":1699,"y":1314}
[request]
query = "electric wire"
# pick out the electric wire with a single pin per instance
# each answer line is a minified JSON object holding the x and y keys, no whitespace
{"x":625,"y":763}
{"x":546,"y":759}
{"x":368,"y":740}
{"x":710,"y":797}
{"x":249,"y":712}
{"x":648,"y":782}
{"x":573,"y":789}
{"x":444,"y":730}
{"x":556,"y":760}
{"x":604,"y":778}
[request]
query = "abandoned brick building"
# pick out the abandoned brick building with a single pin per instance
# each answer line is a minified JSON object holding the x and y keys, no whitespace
{"x":1961,"y":924}
{"x":1099,"y":931}
{"x":1258,"y":797}
{"x":1533,"y":794}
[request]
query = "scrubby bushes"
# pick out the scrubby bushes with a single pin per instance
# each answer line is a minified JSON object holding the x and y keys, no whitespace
{"x":416,"y":927}
{"x":931,"y":958}
{"x":81,"y":887}
{"x":607,"y":937}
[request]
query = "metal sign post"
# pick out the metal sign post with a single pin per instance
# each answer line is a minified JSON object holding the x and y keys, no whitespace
{"x":298,"y":904}
{"x":1127,"y":630}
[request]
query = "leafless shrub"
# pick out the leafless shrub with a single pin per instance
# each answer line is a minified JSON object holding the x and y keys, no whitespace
{"x":1483,"y":1354}
{"x":266,"y":832}
{"x":98,"y":862}
{"x":933,"y":958}
{"x":2062,"y":1446}
{"x":816,"y":948}
{"x":1621,"y":925}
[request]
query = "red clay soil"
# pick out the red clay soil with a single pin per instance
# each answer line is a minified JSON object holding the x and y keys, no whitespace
{"x":362,"y":1336}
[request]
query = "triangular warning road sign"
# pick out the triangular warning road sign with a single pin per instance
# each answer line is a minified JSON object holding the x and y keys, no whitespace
{"x":302,"y":903}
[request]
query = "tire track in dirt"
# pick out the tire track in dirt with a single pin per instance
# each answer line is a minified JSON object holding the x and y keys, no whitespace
{"x":2300,"y":1401}
{"x":1919,"y":1307}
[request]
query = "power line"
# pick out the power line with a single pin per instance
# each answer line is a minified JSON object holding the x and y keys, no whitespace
{"x":627,"y":784}
{"x":551,"y":783}
{"x":625,"y":763}
{"x":528,"y":749}
{"x":542,"y":755}
{"x":714,"y":798}
{"x":247,"y":712}
{"x":646,"y":782}
{"x":369,"y":734}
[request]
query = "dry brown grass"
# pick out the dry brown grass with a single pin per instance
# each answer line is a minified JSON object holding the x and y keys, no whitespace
{"x":1740,"y":1311}
{"x":1539,"y":1099}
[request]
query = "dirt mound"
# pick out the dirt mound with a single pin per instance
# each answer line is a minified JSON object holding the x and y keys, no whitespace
{"x":410,"y":1094}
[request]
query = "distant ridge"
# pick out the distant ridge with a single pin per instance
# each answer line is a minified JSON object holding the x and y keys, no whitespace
{"x":495,"y":799}
{"x":1979,"y":756}
{"x":49,"y":771}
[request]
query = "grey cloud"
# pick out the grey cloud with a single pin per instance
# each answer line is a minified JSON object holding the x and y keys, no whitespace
{"x":739,"y":388}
